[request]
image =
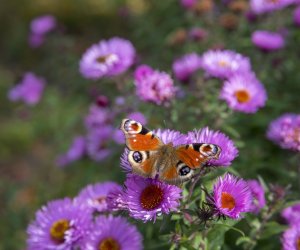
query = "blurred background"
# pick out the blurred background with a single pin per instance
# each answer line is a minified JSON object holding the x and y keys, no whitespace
{"x":32,"y":137}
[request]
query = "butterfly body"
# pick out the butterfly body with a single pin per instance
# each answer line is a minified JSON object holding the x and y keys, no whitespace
{"x":164,"y":156}
{"x":150,"y":157}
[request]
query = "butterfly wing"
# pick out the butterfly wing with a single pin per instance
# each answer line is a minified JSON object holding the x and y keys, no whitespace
{"x":187,"y":159}
{"x":196,"y":155}
{"x":138,"y":137}
{"x":142,"y":145}
{"x":146,"y":154}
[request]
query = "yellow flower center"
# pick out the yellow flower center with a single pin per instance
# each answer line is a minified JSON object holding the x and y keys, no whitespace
{"x":298,"y":243}
{"x":242,"y":96}
{"x":109,"y":244}
{"x":227,"y":201}
{"x":58,"y":229}
{"x":151,"y":197}
{"x":106,"y":58}
{"x":223,"y":63}
{"x":296,"y":135}
{"x":101,"y":199}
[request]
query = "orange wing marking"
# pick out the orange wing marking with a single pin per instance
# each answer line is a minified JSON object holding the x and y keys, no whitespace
{"x":145,"y":142}
{"x":170,"y":174}
{"x":190,"y":157}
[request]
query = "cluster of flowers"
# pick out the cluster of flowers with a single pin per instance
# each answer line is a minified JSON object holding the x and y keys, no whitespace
{"x":145,"y":199}
{"x":241,"y":90}
{"x":31,"y":88}
{"x":291,"y":237}
{"x":264,"y":6}
{"x":113,"y":57}
{"x":100,"y":131}
{"x":39,"y":28}
{"x":285,"y":131}
{"x":243,"y":196}
{"x":267,"y":40}
{"x":66,"y":224}
{"x":256,"y":7}
{"x":78,"y":224}
{"x":263,"y":39}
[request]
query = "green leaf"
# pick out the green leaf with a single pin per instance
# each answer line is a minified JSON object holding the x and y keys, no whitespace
{"x":233,"y":228}
{"x":272,"y":228}
{"x":176,"y":217}
{"x":242,"y":240}
{"x":263,"y":183}
{"x":217,"y":232}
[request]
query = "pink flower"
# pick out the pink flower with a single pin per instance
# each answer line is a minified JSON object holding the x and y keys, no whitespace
{"x":153,"y":85}
{"x":29,"y":90}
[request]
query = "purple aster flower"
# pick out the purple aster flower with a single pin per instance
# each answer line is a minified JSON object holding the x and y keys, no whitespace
{"x":120,"y":101}
{"x":296,"y":16}
{"x":75,"y":152}
{"x":171,"y":136}
{"x":97,"y":117}
{"x":258,"y":194}
{"x":197,"y":34}
{"x":267,"y":41}
{"x":292,"y":214}
{"x":231,"y":196}
{"x":35,"y":40}
{"x":139,"y":117}
{"x":118,"y":136}
{"x":96,"y":142}
{"x":291,"y":238}
{"x":116,"y":200}
{"x":59,"y":225}
{"x":224,"y":63}
{"x":166,"y":135}
{"x":142,"y":71}
{"x":228,"y":150}
{"x":251,"y":17}
{"x":94,"y":196}
{"x":155,"y":86}
{"x":107,"y":58}
{"x":29,"y":90}
{"x":188,"y":4}
{"x":264,"y":6}
{"x":124,"y":163}
{"x":102,"y":101}
{"x":185,"y":66}
{"x":43,"y":24}
{"x":113,"y":233}
{"x":244,"y":93}
{"x":148,"y":198}
{"x":285,"y":131}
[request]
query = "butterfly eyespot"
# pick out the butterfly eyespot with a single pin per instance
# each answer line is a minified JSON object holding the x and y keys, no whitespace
{"x":137,"y":157}
{"x":209,"y":150}
{"x":184,"y":171}
{"x":132,"y":127}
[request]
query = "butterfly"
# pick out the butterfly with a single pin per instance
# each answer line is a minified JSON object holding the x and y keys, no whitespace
{"x":150,"y":157}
